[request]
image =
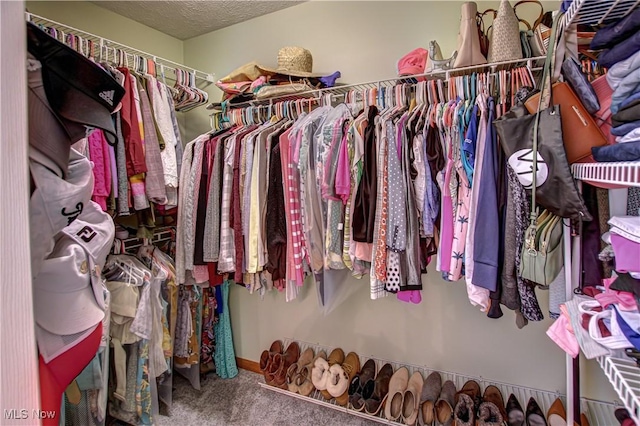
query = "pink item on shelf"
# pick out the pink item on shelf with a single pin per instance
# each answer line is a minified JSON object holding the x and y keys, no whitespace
{"x":622,"y":299}
{"x":560,"y":332}
{"x":627,"y":253}
{"x":414,"y":62}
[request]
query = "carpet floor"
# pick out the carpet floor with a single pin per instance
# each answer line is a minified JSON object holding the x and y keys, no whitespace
{"x":241,"y":401}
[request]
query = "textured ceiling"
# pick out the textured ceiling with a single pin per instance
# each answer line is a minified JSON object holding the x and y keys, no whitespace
{"x":186,"y":19}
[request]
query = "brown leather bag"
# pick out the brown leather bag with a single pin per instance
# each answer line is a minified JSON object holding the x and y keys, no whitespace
{"x":483,"y":34}
{"x":579,"y":130}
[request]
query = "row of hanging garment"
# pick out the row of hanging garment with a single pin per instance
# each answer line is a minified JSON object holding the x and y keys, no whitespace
{"x":139,"y":170}
{"x":410,"y":175}
{"x":132,"y":372}
{"x":143,"y":310}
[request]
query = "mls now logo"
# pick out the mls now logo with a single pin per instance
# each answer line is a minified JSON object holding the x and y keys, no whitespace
{"x":24,"y":414}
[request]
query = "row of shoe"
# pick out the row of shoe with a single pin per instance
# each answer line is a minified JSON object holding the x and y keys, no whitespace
{"x":401,"y":397}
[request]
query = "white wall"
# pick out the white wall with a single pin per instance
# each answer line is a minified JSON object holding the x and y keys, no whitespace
{"x":364,"y":40}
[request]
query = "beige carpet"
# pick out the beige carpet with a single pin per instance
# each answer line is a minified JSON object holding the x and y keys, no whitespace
{"x":241,"y":401}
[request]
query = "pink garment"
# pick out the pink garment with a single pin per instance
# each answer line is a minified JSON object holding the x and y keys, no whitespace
{"x":410,"y":296}
{"x":446,"y":233}
{"x":114,"y":171}
{"x":363,"y":251}
{"x":201,"y":273}
{"x":292,"y":179}
{"x":286,"y":183}
{"x":627,"y":253}
{"x":622,"y":299}
{"x":461,"y":224}
{"x":99,"y":153}
{"x":343,"y":174}
{"x":560,"y":332}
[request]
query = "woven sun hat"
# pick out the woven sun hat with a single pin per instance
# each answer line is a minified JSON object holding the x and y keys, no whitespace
{"x":293,"y":61}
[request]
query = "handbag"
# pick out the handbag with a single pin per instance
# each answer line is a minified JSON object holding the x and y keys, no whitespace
{"x":579,"y":130}
{"x":526,"y":46}
{"x":542,"y":257}
{"x":483,"y":34}
{"x":580,"y":84}
{"x":533,"y":142}
{"x":535,"y":34}
{"x":469,"y":51}
{"x":505,"y":38}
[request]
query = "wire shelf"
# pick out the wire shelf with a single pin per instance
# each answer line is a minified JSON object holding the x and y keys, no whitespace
{"x":598,"y":413}
{"x":106,"y":49}
{"x":624,"y":375}
{"x":609,"y":175}
{"x":341,"y":90}
{"x":596,"y":12}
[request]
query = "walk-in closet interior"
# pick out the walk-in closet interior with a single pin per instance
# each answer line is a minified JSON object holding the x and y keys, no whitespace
{"x":320,"y":212}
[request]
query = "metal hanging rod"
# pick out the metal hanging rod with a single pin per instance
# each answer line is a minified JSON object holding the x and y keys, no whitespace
{"x":438,"y":74}
{"x":106,"y":45}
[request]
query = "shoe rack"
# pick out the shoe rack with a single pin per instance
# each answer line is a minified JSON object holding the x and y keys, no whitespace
{"x":598,"y":413}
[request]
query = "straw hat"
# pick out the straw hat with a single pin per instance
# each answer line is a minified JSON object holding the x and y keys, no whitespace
{"x":293,"y":61}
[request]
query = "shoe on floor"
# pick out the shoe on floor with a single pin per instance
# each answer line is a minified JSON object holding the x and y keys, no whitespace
{"x":445,"y":404}
{"x":292,"y":372}
{"x":472,"y":389}
{"x":320,"y":371}
{"x":300,"y":381}
{"x":430,"y":393}
{"x":376,"y":401}
{"x":557,"y":415}
{"x":535,"y":416}
{"x":397,"y":386}
{"x":515,"y":413}
{"x":464,"y":412}
{"x":335,"y":357}
{"x":489,"y":415}
{"x":290,"y":356}
{"x":411,"y":398}
{"x":266,"y":358}
{"x":348,"y":370}
{"x":493,"y":395}
{"x":362,"y":386}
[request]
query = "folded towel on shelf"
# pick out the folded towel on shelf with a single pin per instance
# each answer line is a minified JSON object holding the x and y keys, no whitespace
{"x":626,"y":226}
{"x":629,"y":151}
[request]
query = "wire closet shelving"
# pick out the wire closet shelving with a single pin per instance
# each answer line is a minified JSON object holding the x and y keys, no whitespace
{"x":341,"y":90}
{"x":596,"y":12}
{"x":108,"y":49}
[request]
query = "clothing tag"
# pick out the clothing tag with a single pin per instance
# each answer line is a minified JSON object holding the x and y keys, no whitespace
{"x":340,"y":226}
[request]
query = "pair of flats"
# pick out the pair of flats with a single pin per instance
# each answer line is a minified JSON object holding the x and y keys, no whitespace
{"x":275,"y":363}
{"x":332,"y":375}
{"x":403,"y":400}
